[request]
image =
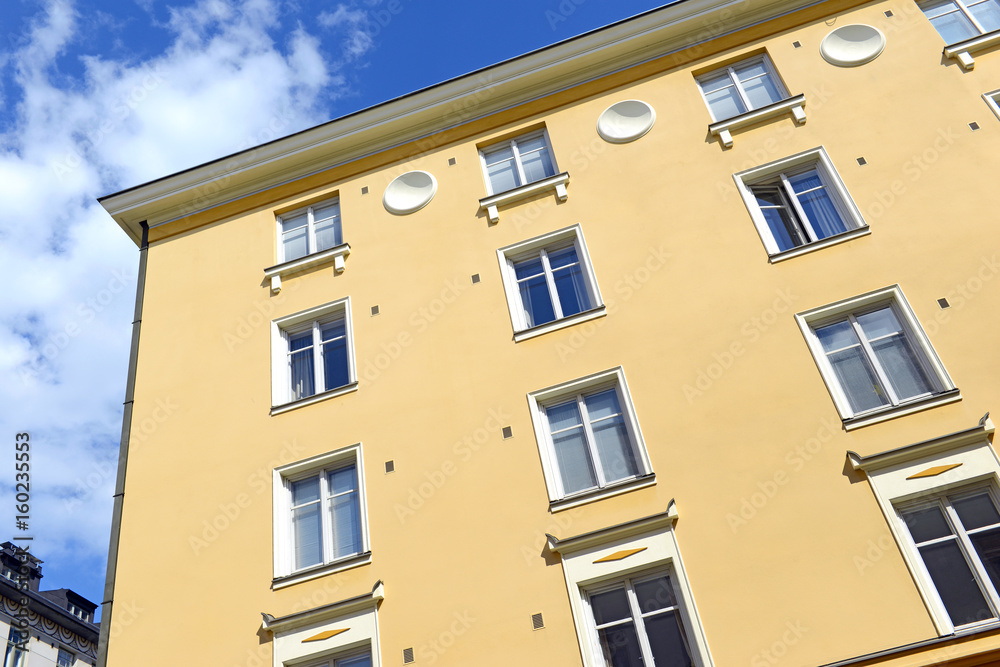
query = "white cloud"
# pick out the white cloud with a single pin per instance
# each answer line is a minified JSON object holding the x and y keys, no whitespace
{"x":356,"y":26}
{"x":230,"y":79}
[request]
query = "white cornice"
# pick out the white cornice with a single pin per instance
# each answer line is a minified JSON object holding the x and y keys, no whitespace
{"x":570,"y":63}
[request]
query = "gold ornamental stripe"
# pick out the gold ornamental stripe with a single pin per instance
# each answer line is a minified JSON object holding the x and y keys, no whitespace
{"x":934,"y":472}
{"x":620,"y":555}
{"x":324,"y":635}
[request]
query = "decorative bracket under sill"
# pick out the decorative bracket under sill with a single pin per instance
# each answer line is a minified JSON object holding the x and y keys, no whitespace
{"x":960,"y":50}
{"x":335,"y":255}
{"x":492,"y":203}
{"x":722,"y":129}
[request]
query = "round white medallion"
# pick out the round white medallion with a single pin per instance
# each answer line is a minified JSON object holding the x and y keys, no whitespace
{"x":852,"y":45}
{"x":409,"y":192}
{"x":625,"y":121}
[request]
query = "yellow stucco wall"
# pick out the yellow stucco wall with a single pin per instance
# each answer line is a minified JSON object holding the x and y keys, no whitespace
{"x":684,"y":275}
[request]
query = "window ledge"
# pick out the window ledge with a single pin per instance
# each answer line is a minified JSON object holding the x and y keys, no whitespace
{"x":321,"y":570}
{"x":490,"y":204}
{"x":606,"y":492}
{"x":555,"y":325}
{"x":950,"y":396}
{"x":315,"y":398}
{"x":819,"y":245}
{"x":723,"y":128}
{"x":335,"y":254}
{"x":960,"y":50}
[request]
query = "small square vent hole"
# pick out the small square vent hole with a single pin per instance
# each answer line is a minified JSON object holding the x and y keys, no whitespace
{"x":364,"y":190}
{"x":390,"y":466}
{"x":507,"y":432}
{"x":475,"y":278}
{"x":944,"y":303}
{"x":797,"y":45}
{"x":374,"y":311}
{"x":407,"y":656}
{"x":536,"y":622}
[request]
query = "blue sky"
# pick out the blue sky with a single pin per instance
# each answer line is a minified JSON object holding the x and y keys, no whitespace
{"x":97,"y":96}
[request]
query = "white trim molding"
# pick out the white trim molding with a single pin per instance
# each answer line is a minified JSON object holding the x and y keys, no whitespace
{"x":723,"y":129}
{"x":335,"y":255}
{"x":961,"y":51}
{"x":555,"y":183}
{"x":323,"y":632}
{"x":646,"y":546}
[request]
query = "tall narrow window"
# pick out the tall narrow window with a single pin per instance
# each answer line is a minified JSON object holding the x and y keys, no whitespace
{"x":314,"y":229}
{"x":517,"y":162}
{"x":958,"y":20}
{"x":64,"y":659}
{"x":326,"y":521}
{"x":320,"y":514}
{"x":313,"y":354}
{"x":14,"y":655}
{"x":741,"y":87}
{"x":958,"y":539}
{"x":639,"y":624}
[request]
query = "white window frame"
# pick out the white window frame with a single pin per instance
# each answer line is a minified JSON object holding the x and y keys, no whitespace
{"x":513,"y":145}
{"x":815,"y":158}
{"x":724,"y":127}
{"x":285,"y":573}
{"x":538,"y":400}
{"x":508,"y":255}
{"x":555,"y":182}
{"x":962,"y":50}
{"x":638,"y":549}
{"x":913,"y":474}
{"x":310,"y":228}
{"x":993,"y":101}
{"x":59,"y":656}
{"x":311,"y":259}
{"x":281,"y":397}
{"x":944,"y":390}
{"x":337,"y":660}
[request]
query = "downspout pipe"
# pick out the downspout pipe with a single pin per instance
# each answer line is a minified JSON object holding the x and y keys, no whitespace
{"x":107,"y":605}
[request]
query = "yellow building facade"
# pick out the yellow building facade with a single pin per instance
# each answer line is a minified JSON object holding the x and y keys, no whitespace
{"x":668,"y":344}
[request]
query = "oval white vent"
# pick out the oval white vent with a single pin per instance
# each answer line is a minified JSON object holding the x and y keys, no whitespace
{"x":625,"y":121}
{"x":409,"y":192}
{"x":852,"y":45}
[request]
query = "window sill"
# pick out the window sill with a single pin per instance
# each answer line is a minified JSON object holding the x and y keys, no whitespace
{"x":315,"y":398}
{"x":555,"y":325}
{"x":557,"y":183}
{"x":950,"y":396}
{"x":335,"y":255}
{"x":960,"y":50}
{"x":321,"y":570}
{"x":723,"y":128}
{"x":592,"y":495}
{"x":819,"y":245}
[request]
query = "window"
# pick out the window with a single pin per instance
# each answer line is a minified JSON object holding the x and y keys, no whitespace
{"x":741,"y":87}
{"x":363,"y":660}
{"x":993,"y":100}
{"x":941,"y":507}
{"x":590,"y":439}
{"x":799,"y":204}
{"x":65,"y":659}
{"x":958,"y":538}
{"x":310,"y":230}
{"x":874,"y":356}
{"x":321,"y":513}
{"x":549,"y":281}
{"x":14,"y":655}
{"x":520,"y":161}
{"x":313,"y":356}
{"x":78,"y":612}
{"x":630,"y":598}
{"x":958,"y":20}
{"x":638,"y":623}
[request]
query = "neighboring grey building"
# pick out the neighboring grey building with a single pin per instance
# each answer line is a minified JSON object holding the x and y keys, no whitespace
{"x":61,"y":624}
